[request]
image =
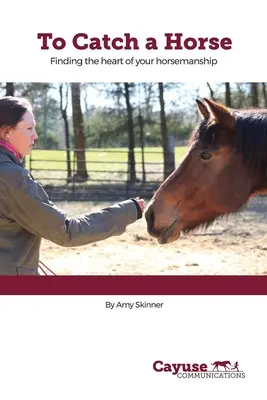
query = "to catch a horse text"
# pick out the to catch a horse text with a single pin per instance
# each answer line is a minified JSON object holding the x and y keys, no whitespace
{"x":173,"y":41}
{"x":130,"y":306}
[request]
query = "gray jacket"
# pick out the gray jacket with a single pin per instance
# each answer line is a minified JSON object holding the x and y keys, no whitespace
{"x":27,"y":215}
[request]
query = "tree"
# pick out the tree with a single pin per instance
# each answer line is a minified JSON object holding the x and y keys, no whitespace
{"x":141,"y":131}
{"x":211,"y":92}
{"x":167,"y":153}
{"x":227,"y":94}
{"x":131,"y":142}
{"x":63,"y":110}
{"x":264,"y":94}
{"x":254,"y":94}
{"x":10,"y":90}
{"x":78,"y":128}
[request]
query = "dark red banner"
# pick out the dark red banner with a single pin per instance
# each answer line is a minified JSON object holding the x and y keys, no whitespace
{"x":134,"y":285}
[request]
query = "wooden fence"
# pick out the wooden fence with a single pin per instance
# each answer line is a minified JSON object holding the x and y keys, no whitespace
{"x":108,"y":173}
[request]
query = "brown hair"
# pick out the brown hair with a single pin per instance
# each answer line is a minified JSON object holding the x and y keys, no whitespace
{"x":12,"y":110}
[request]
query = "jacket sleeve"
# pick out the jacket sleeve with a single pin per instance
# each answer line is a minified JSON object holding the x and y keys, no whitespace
{"x":30,"y":207}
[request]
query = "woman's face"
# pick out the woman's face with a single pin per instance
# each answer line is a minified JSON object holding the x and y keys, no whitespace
{"x":23,"y":135}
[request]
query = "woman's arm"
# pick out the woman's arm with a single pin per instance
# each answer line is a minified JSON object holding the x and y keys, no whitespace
{"x":30,"y":207}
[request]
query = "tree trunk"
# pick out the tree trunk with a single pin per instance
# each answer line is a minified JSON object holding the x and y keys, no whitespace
{"x":78,"y":128}
{"x":141,"y":127}
{"x":240,"y":96}
{"x":264,"y":94}
{"x":167,"y":153}
{"x":227,"y":94}
{"x":66,"y":126}
{"x":141,"y":130}
{"x":254,"y":94}
{"x":131,"y":139}
{"x":148,"y":91}
{"x":211,"y":92}
{"x":44,"y":106}
{"x":10,"y":90}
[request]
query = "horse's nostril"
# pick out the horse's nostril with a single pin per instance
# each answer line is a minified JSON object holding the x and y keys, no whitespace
{"x":150,"y":218}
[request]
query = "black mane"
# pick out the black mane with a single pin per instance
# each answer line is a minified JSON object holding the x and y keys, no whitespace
{"x":250,"y":138}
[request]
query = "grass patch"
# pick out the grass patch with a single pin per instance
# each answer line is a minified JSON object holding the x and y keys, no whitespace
{"x":50,"y":166}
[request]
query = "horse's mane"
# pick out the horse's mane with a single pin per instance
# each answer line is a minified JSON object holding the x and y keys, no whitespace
{"x":250,"y":137}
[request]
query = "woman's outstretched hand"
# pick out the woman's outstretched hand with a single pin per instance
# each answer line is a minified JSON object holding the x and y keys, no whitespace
{"x":141,"y":203}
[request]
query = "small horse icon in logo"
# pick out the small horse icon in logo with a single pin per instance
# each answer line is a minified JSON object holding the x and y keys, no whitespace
{"x":221,"y":364}
{"x":225,"y":365}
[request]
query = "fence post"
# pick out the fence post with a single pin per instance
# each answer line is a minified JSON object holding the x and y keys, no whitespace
{"x":171,"y":156}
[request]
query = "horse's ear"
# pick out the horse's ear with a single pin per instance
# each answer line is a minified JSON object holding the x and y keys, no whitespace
{"x":220,"y":113}
{"x":202,"y":109}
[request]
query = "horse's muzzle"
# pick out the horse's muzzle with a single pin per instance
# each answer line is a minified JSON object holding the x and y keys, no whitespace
{"x":169,"y":233}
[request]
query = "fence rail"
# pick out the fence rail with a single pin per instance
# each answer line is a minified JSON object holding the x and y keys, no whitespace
{"x":106,"y":173}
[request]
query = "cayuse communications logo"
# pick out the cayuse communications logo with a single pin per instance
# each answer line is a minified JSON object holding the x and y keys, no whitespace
{"x":216,"y":369}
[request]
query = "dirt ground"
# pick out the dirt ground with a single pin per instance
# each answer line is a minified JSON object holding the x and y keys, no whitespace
{"x":235,"y":246}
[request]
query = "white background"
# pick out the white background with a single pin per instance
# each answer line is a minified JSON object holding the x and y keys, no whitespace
{"x":72,"y":347}
{"x":75,"y":348}
{"x":22,"y":60}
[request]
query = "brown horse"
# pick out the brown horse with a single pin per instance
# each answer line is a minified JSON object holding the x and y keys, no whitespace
{"x":226,"y":164}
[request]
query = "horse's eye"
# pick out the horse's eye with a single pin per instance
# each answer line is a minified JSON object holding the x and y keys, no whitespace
{"x":206,"y":156}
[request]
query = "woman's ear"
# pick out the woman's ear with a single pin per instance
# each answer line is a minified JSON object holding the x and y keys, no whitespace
{"x":7,"y":135}
{"x":4,"y":133}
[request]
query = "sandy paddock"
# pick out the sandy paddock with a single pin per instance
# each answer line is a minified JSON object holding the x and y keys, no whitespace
{"x":236,"y":246}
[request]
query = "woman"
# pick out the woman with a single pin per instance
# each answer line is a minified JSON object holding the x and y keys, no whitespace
{"x":26,"y":213}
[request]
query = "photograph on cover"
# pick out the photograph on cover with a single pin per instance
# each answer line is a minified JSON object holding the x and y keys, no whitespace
{"x":133,"y":178}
